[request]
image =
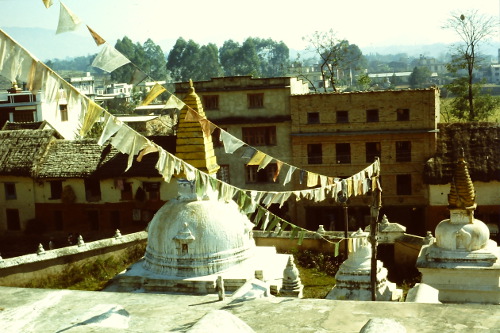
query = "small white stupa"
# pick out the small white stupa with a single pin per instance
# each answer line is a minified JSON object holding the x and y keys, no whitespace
{"x":463,"y":263}
{"x":353,"y":279}
{"x":193,"y":241}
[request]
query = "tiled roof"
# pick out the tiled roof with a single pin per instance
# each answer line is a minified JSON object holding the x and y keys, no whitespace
{"x":481,"y":146}
{"x":85,"y":158}
{"x":20,"y":150}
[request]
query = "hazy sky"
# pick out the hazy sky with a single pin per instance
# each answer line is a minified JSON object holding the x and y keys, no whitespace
{"x":362,"y":22}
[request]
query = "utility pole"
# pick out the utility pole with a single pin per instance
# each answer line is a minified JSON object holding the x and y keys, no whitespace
{"x":375,"y":209}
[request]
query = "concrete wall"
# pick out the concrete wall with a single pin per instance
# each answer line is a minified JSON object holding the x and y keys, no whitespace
{"x":18,"y":271}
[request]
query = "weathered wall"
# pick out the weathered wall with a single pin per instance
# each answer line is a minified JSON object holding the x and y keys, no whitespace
{"x":18,"y":271}
{"x":23,"y":202}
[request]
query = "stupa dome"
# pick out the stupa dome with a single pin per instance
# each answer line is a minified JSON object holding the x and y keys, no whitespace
{"x":188,"y":237}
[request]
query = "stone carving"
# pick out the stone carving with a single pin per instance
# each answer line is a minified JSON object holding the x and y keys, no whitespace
{"x":80,"y":241}
{"x":292,"y":286}
{"x":40,"y":249}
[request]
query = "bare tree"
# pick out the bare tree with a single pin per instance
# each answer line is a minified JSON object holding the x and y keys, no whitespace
{"x":473,"y":29}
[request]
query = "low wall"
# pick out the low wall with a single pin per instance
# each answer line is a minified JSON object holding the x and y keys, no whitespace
{"x":311,"y":241}
{"x":407,"y":249}
{"x":21,"y":270}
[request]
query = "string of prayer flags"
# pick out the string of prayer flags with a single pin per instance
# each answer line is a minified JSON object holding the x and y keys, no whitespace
{"x":36,"y":77}
{"x":128,"y":142}
{"x":97,"y":39}
{"x":48,"y":3}
{"x":137,"y":77}
{"x":206,"y":126}
{"x":109,"y":59}
{"x":231,"y":143}
{"x":68,"y":21}
{"x":165,"y":165}
{"x":192,"y":115}
{"x":156,"y":91}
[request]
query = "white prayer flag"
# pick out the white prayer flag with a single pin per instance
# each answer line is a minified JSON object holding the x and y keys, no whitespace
{"x":230,"y":142}
{"x":174,"y":103}
{"x":68,"y":21}
{"x":289,"y":174}
{"x":109,"y":59}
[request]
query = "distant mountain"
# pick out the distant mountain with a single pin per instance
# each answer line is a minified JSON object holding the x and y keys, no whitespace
{"x":45,"y":44}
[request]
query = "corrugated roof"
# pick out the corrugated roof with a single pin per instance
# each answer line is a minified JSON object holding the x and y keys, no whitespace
{"x":20,"y":150}
{"x":481,"y":145}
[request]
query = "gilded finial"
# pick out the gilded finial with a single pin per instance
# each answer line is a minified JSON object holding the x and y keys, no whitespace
{"x":462,"y":194}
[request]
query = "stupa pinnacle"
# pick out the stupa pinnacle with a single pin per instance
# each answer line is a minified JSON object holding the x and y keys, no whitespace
{"x":462,"y":194}
{"x":193,"y":146}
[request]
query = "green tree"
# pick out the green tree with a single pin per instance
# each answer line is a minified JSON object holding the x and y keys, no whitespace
{"x":473,"y":29}
{"x":274,"y":57}
{"x":174,"y":59}
{"x":183,"y":61}
{"x":156,"y":65}
{"x":129,"y":50}
{"x":209,"y":66}
{"x":228,"y":54}
{"x":334,"y":54}
{"x":420,"y":77}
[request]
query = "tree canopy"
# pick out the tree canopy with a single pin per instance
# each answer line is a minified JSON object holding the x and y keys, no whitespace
{"x":473,"y":29}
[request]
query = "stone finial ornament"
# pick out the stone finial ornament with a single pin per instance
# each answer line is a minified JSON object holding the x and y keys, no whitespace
{"x":80,"y":241}
{"x":462,"y":194}
{"x":292,"y":286}
{"x":40,"y":249}
{"x":118,"y":234}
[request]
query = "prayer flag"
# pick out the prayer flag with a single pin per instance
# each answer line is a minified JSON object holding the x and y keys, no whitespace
{"x":312,"y":179}
{"x":206,"y":126}
{"x":267,"y":159}
{"x":174,"y":103}
{"x":137,"y":77}
{"x":48,"y":3}
{"x":98,"y":39}
{"x":68,"y":21}
{"x":279,"y":164}
{"x":289,"y":174}
{"x":256,"y":158}
{"x":230,"y":142}
{"x":157,"y":90}
{"x":109,"y":59}
{"x":150,"y":148}
{"x":92,"y":113}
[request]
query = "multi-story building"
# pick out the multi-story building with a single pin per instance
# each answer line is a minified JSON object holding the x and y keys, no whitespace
{"x":84,"y":84}
{"x":19,"y":105}
{"x":255,"y":110}
{"x":340,"y":134}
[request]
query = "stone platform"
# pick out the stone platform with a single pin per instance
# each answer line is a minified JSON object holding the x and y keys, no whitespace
{"x":266,"y":261}
{"x":40,"y":310}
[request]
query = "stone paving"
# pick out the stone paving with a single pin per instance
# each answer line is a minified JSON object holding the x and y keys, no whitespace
{"x":40,"y":310}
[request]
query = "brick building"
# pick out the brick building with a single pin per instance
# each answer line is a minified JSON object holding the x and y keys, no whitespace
{"x":339,"y":134}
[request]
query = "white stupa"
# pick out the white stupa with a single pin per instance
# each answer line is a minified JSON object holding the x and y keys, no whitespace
{"x":463,"y":264}
{"x":192,"y":240}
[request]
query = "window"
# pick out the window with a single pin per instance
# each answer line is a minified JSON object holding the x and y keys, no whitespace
{"x":255,"y":101}
{"x":63,"y":108}
{"x":314,"y":153}
{"x":211,"y":102}
{"x":372,"y":150}
{"x":23,"y":116}
{"x":58,"y":220}
{"x":223,"y":173}
{"x":152,"y":189}
{"x":403,"y":184}
{"x":55,"y":189}
{"x":259,"y":136}
{"x":372,"y":115}
{"x":10,"y":191}
{"x":13,"y":222}
{"x":313,"y":117}
{"x":92,"y":190}
{"x":263,"y":176}
{"x":342,"y":117}
{"x":403,"y":151}
{"x":125,"y":190}
{"x":403,"y":114}
{"x":343,"y":153}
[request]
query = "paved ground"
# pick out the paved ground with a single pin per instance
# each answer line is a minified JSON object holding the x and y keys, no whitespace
{"x":39,"y":310}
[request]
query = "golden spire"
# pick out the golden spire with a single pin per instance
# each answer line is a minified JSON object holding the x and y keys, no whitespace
{"x":462,"y":194}
{"x":192,"y":145}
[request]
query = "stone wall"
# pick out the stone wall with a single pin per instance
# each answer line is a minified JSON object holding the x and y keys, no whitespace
{"x":20,"y":270}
